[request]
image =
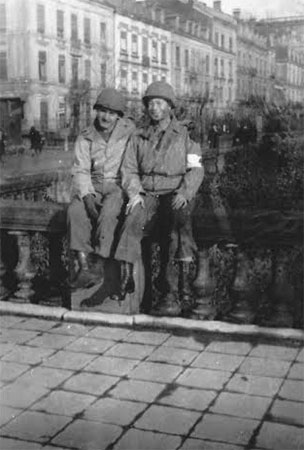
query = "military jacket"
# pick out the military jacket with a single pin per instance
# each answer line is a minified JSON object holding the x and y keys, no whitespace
{"x":170,"y":163}
{"x":96,"y":160}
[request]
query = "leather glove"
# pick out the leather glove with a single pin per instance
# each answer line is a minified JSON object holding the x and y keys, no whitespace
{"x":90,"y":206}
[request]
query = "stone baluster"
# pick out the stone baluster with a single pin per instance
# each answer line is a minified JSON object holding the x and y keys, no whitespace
{"x":204,"y":286}
{"x":243,"y":292}
{"x":282,"y":292}
{"x":24,"y":270}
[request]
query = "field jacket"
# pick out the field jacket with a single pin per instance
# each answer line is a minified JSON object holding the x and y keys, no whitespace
{"x":170,"y":164}
{"x":96,"y":160}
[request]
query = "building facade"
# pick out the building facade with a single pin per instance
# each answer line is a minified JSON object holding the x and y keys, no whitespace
{"x":59,"y":53}
{"x":142,"y":54}
{"x":255,"y":62}
{"x":286,"y":38}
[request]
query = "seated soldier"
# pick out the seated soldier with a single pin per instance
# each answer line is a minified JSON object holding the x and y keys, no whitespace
{"x":97,"y":197}
{"x":161,"y":173}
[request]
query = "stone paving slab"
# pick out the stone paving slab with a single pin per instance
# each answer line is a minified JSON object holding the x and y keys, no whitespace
{"x":187,"y":398}
{"x":28,"y":355}
{"x":111,"y":410}
{"x":112,"y":366}
{"x":146,"y":389}
{"x":228,"y":429}
{"x":147,"y":440}
{"x":254,"y":385}
{"x":86,"y":435}
{"x":35,"y":426}
{"x":14,"y":444}
{"x":280,"y":437}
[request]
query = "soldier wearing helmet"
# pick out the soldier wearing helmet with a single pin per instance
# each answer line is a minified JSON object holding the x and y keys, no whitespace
{"x":97,"y":197}
{"x":161,"y":173}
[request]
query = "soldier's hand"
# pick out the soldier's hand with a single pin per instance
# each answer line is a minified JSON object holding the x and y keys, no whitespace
{"x":90,"y":206}
{"x":137,"y":200}
{"x":179,"y":201}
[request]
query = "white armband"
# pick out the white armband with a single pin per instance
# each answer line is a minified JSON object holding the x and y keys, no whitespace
{"x":193,"y":160}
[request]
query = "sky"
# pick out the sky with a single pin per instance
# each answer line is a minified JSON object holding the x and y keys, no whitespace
{"x":263,"y":8}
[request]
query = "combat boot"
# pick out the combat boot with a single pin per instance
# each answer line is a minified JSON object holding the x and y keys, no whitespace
{"x":85,"y":277}
{"x":127,"y":285}
{"x":169,"y":305}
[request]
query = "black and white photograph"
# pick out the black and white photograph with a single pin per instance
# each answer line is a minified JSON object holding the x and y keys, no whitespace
{"x":151,"y":225}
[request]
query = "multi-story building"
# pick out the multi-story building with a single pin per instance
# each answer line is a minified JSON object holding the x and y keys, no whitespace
{"x":54,"y":56}
{"x":255,"y":62}
{"x":223,"y":38}
{"x":142,"y":51}
{"x":286,"y":38}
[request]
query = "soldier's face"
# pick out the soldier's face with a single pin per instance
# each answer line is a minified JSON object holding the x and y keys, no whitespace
{"x":106,"y":118}
{"x":158,"y":109}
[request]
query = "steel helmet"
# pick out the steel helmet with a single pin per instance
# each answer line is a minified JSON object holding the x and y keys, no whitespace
{"x":112,"y":99}
{"x":160,"y":89}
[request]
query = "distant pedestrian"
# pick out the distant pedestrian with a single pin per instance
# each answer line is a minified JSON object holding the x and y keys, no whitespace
{"x":37,"y":141}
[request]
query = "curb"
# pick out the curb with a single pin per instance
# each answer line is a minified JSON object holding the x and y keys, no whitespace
{"x":151,"y":322}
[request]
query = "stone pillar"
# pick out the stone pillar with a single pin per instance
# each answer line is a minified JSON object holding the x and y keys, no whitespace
{"x":243,"y":292}
{"x":204,"y":286}
{"x":24,"y":270}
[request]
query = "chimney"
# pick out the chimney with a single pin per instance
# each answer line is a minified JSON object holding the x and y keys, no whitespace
{"x":217,"y":6}
{"x":237,"y":13}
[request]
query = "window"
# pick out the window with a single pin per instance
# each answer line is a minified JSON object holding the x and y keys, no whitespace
{"x":103,"y":74}
{"x":177,"y":56}
{"x":154,"y":50}
{"x":134,"y":44}
{"x":103,"y":32}
{"x":42,"y":66}
{"x":123,"y":42}
{"x":144,"y":81}
{"x":123,"y":79}
{"x":222,"y":68}
{"x":60,"y":24}
{"x":154,"y":77}
{"x":61,"y":69}
{"x":207,"y":64}
{"x":207,"y":87}
{"x":163,"y":53}
{"x":3,"y":66}
{"x":40,"y":19}
{"x":134,"y":82}
{"x":87,"y":70}
{"x":62,"y":113}
{"x":75,"y":70}
{"x":222,"y":41}
{"x":230,"y":44}
{"x":74,"y":28}
{"x":2,"y":18}
{"x":44,"y":116}
{"x":230,"y":69}
{"x":216,"y":38}
{"x":145,"y":51}
{"x":163,"y":78}
{"x":87,"y":30}
{"x":216,"y":67}
{"x":187,"y":58}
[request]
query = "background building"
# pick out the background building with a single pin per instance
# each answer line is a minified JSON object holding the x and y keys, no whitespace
{"x":54,"y":57}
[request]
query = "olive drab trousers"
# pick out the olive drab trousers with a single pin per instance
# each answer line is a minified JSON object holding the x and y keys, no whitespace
{"x":86,"y":236}
{"x":175,"y":231}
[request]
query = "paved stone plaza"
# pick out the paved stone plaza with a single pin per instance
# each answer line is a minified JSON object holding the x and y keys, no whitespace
{"x":73,"y":386}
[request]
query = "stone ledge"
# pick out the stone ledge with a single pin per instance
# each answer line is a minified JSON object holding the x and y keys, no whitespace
{"x":142,"y":320}
{"x":29,"y":309}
